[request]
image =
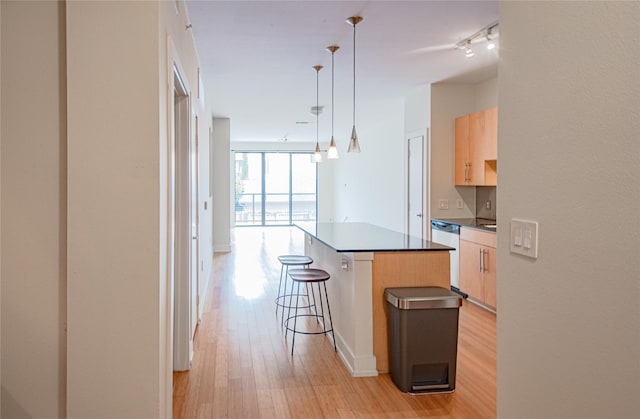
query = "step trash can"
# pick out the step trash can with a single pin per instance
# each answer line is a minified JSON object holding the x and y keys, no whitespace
{"x":423,"y":338}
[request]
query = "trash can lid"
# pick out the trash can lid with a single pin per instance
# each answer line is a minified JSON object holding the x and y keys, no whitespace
{"x":415,"y":298}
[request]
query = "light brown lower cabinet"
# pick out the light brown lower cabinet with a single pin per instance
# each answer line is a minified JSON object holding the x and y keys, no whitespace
{"x":478,"y":265}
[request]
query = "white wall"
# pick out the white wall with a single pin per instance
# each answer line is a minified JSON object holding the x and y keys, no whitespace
{"x":176,"y":44}
{"x":326,"y":190}
{"x":222,"y":174}
{"x":569,"y":322}
{"x":449,"y":101}
{"x":33,"y":210}
{"x":417,"y":109}
{"x":113,"y":287}
{"x":486,"y":94}
{"x":119,"y":136}
{"x":102,"y":131}
{"x":368,"y":185}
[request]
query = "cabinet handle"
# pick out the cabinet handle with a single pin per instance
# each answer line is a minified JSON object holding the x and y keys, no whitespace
{"x":466,"y":171}
{"x":483,"y":262}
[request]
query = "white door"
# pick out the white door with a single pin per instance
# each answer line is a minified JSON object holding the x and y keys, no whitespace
{"x":193,"y":251}
{"x":415,"y":186}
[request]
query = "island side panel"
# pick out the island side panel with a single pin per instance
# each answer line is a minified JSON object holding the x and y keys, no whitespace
{"x":350,"y":298}
{"x":401,"y":269}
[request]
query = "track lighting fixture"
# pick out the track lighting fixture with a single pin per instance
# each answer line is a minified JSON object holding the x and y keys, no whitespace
{"x":490,"y":44}
{"x":487,"y":33}
{"x":468,"y":51}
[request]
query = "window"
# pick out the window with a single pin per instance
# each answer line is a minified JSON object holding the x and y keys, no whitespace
{"x":274,"y":188}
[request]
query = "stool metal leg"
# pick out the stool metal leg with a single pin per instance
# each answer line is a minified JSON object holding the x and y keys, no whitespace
{"x":280,"y":294}
{"x":330,"y":321}
{"x":295,"y":320}
{"x":284,"y":294}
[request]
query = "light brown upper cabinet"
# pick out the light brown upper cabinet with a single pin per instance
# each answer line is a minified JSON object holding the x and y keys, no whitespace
{"x":476,"y":144}
{"x":462,"y":161}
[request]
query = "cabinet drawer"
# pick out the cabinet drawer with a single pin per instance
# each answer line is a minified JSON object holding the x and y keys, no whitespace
{"x":485,"y":238}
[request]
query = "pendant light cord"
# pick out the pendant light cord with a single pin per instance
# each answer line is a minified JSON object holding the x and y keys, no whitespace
{"x":354,"y":75}
{"x":332,"y":75}
{"x":317,"y":105}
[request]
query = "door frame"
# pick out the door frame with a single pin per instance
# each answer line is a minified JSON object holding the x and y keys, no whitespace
{"x":182,"y":246}
{"x":426,"y":180}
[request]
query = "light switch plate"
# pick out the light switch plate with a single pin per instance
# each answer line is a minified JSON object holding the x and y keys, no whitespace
{"x":459,"y":204}
{"x":524,"y":238}
{"x":443,"y":204}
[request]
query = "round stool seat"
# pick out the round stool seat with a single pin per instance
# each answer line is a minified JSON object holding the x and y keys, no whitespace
{"x":309,"y":275}
{"x":294,"y":260}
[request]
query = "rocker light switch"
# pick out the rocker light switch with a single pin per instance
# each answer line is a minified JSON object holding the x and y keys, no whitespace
{"x":517,"y":240}
{"x":524,"y":238}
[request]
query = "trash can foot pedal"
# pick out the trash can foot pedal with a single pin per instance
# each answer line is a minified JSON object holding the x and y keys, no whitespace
{"x":430,"y":387}
{"x":427,"y":393}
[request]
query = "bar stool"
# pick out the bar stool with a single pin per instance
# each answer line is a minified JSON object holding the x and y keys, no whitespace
{"x":308,"y":277}
{"x":286,"y":261}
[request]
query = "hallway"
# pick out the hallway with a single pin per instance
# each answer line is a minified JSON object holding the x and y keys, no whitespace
{"x":242,"y":367}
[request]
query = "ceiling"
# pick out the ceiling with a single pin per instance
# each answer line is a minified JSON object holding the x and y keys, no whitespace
{"x":257,"y":58}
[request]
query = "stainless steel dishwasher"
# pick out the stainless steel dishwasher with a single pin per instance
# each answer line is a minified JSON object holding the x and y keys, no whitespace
{"x":448,"y":234}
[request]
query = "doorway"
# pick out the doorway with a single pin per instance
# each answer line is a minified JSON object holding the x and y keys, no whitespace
{"x":184,"y":227}
{"x":417,"y":192}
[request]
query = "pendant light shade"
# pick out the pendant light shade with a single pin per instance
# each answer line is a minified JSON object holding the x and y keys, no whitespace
{"x":333,"y":150}
{"x":354,"y":145}
{"x":317,"y":156}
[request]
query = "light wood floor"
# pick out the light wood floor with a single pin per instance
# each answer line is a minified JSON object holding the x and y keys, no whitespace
{"x":243,"y":368}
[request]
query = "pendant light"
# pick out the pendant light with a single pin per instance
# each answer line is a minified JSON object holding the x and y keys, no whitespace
{"x":333,"y":150}
{"x":354,"y":145}
{"x":317,"y":156}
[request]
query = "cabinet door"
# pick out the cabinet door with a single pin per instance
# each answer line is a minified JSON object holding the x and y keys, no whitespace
{"x":476,"y":147}
{"x":461,"y":161}
{"x":470,"y":281}
{"x":491,"y":134}
{"x":489,"y":276}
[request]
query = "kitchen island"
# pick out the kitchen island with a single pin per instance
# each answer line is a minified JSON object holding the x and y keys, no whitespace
{"x":363,"y":260}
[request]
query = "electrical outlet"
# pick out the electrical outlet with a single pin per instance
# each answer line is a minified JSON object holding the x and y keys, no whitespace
{"x":443,"y":204}
{"x":524,"y":238}
{"x":488,"y":204}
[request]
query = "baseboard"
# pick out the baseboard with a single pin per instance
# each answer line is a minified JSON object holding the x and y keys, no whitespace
{"x":357,"y":366}
{"x":222,"y":248}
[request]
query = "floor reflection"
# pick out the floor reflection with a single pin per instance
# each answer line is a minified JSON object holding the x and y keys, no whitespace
{"x":255,"y":262}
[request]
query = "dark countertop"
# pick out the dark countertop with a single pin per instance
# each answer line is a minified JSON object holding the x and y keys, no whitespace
{"x":363,"y":237}
{"x":479,"y":223}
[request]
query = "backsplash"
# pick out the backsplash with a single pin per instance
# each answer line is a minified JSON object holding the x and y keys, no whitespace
{"x":486,"y":196}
